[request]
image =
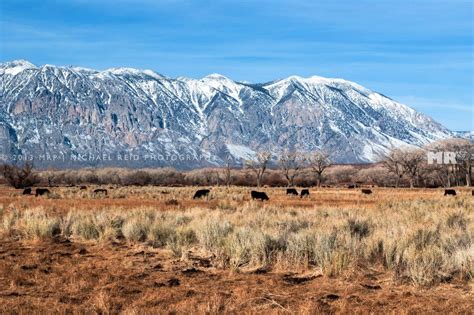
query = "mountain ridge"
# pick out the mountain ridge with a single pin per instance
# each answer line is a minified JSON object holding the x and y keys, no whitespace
{"x":74,"y":110}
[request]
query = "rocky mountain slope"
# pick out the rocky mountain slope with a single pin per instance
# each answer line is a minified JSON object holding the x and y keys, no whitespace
{"x":70,"y":116}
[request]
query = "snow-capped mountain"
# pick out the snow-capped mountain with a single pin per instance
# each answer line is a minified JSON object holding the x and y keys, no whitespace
{"x":61,"y":116}
{"x":469,"y":135}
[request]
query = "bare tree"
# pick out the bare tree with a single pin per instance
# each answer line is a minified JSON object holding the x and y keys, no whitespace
{"x":208,"y":175}
{"x":412,"y":163}
{"x":19,"y":176}
{"x":464,"y":158}
{"x":49,"y":176}
{"x":290,"y":165}
{"x":217,"y":176}
{"x":319,"y":161}
{"x":460,"y":171}
{"x":375,"y":175}
{"x":138,"y":178}
{"x":259,"y":165}
{"x":393,"y":163}
{"x":442,"y":173}
{"x":228,"y":173}
{"x":340,"y":174}
{"x":445,"y":173}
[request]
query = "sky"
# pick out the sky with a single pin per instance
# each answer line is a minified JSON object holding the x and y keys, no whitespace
{"x":418,"y":52}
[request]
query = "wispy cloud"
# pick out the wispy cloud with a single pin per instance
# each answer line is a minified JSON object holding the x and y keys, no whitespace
{"x":420,"y":48}
{"x":426,"y":103}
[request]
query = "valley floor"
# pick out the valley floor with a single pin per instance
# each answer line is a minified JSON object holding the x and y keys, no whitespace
{"x":156,"y":250}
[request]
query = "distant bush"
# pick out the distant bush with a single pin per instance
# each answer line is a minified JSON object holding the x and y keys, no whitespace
{"x":138,"y":178}
{"x":19,"y":176}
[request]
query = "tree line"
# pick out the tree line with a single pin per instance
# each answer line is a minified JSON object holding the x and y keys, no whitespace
{"x":401,"y":167}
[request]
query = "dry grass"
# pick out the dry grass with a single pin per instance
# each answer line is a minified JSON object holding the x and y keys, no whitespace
{"x":63,"y":199}
{"x":421,"y":241}
{"x":416,"y":238}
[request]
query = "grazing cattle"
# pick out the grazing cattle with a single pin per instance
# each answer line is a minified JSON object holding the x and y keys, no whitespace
{"x":291,"y":191}
{"x":366,"y":191}
{"x":259,"y":195}
{"x":100,"y":191}
{"x":305,"y":193}
{"x":41,"y":192}
{"x":351,"y":186}
{"x":201,"y":193}
{"x":472,"y":192}
{"x":27,"y":191}
{"x":449,"y":192}
{"x":83,"y":188}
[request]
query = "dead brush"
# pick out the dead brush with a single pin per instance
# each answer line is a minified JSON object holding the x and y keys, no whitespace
{"x":36,"y":224}
{"x":457,"y":220}
{"x":9,"y":220}
{"x":358,"y":228}
{"x":423,"y":242}
{"x":172,"y":202}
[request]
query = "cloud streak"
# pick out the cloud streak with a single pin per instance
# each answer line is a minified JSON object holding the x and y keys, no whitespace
{"x":420,"y":48}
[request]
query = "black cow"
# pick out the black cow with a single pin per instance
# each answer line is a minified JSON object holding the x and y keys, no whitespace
{"x":449,"y":192}
{"x":351,"y":186}
{"x":472,"y":192}
{"x":201,"y":193}
{"x":41,"y":192}
{"x":83,"y":188}
{"x":305,"y":193}
{"x":259,"y":195}
{"x":291,"y":191}
{"x":366,"y":191}
{"x":101,"y":191}
{"x":27,"y":191}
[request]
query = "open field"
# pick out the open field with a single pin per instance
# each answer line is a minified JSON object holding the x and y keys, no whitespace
{"x":155,"y":249}
{"x":64,"y":199}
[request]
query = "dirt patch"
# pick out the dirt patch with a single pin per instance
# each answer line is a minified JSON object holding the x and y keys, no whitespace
{"x":62,"y":276}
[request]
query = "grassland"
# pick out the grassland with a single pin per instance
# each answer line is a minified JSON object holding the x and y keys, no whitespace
{"x":149,"y":249}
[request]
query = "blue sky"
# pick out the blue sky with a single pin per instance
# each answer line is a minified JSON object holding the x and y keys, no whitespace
{"x":419,"y":52}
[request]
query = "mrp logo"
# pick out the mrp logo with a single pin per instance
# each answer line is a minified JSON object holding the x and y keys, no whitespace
{"x":442,"y":157}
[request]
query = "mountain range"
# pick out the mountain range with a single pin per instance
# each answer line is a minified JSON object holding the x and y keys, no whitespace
{"x":75,"y":117}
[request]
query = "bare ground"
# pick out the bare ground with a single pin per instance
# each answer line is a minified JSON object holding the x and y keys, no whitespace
{"x":74,"y":276}
{"x":62,"y":276}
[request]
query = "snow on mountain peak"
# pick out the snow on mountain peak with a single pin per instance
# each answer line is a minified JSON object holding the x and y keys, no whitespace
{"x":216,"y":76}
{"x":16,"y":66}
{"x":132,"y":71}
{"x":318,"y":80}
{"x":141,"y":110}
{"x":153,"y":74}
{"x":223,"y":84}
{"x":123,"y":71}
{"x":84,"y":70}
